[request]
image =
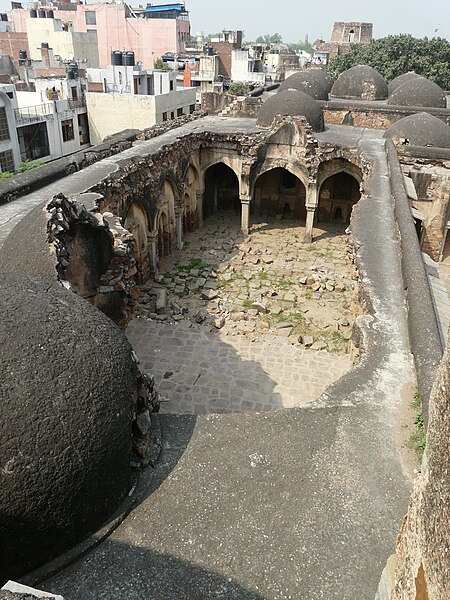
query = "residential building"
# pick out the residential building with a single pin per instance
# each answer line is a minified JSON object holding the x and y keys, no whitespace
{"x":223,"y":46}
{"x":127,"y":96}
{"x":149,"y":33}
{"x":9,"y":143}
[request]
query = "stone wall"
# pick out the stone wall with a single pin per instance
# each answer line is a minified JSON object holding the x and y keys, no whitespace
{"x":421,"y":568}
{"x":373,"y":115}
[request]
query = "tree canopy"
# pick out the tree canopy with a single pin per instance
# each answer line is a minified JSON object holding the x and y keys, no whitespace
{"x":275,"y":38}
{"x":397,"y":54}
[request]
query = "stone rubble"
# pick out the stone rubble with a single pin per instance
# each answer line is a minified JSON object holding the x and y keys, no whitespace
{"x":268,"y":282}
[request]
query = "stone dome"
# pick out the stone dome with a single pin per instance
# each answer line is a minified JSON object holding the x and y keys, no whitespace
{"x":360,"y":83}
{"x":418,"y":91}
{"x":281,"y":48}
{"x":420,"y":129}
{"x":393,"y":85}
{"x":292,"y":103}
{"x":314,"y":82}
{"x":68,"y":378}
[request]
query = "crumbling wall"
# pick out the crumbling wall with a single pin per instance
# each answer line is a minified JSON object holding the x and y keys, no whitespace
{"x":94,"y":257}
{"x":372,"y":115}
{"x":421,"y":568}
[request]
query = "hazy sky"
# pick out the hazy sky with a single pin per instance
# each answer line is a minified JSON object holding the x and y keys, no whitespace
{"x":296,"y":18}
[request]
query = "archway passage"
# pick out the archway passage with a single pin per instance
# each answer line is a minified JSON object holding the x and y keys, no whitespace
{"x":337,"y":197}
{"x":279,"y":192}
{"x":137,"y":223}
{"x":164,"y":238}
{"x":221,"y":190}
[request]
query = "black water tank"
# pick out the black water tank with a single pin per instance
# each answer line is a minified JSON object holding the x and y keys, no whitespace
{"x":42,"y":14}
{"x":23,"y":55}
{"x":44,"y":45}
{"x":33,"y":13}
{"x":128,"y":59}
{"x":116,"y":58}
{"x":50,"y":14}
{"x":72,"y":70}
{"x":3,"y":17}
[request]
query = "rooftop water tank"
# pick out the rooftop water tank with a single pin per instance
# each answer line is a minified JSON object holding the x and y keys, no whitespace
{"x":116,"y":58}
{"x":128,"y":59}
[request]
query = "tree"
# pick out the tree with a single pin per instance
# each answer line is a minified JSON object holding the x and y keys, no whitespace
{"x":398,"y":54}
{"x":306,"y":46}
{"x":275,"y":38}
{"x":239,"y":89}
{"x":161,"y":65}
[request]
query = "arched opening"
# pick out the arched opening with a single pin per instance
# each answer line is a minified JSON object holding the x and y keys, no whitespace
{"x":279,"y":192}
{"x":190,"y":199}
{"x":164,"y":237}
{"x":337,"y":196}
{"x":221,"y":190}
{"x":137,"y":223}
{"x":351,"y":36}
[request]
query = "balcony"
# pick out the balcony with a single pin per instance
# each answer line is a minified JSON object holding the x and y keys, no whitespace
{"x":77,"y":103}
{"x":33,"y":114}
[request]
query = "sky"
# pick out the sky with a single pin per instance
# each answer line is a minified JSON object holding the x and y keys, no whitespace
{"x":293,"y":19}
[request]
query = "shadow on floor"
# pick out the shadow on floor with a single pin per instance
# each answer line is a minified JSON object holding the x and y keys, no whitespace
{"x":118,"y":571}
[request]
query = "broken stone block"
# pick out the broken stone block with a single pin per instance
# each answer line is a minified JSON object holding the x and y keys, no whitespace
{"x":143,"y":422}
{"x":161,"y":301}
{"x":289,"y":298}
{"x":303,"y":280}
{"x":209,"y":294}
{"x":179,"y":289}
{"x":340,"y":287}
{"x":201,"y":282}
{"x":285,"y":332}
{"x":319,"y":346}
{"x":219,"y":322}
{"x":276,"y":310}
{"x":210,"y":284}
{"x":344,"y":322}
{"x":200,"y":315}
{"x":316,"y":296}
{"x":261,"y":308}
{"x":306,"y":340}
{"x":316,"y":287}
{"x":284,"y":325}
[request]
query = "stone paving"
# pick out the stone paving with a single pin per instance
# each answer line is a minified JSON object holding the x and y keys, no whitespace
{"x":212,"y":351}
{"x":203,"y":372}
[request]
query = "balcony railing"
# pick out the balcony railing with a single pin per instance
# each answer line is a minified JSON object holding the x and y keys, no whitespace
{"x":77,"y":103}
{"x":32,"y":114}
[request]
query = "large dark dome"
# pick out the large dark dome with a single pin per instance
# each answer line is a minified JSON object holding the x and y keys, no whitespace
{"x":292,"y":103}
{"x":393,"y":85}
{"x":360,"y":83}
{"x":418,"y":91}
{"x":66,"y":386}
{"x":420,"y":129}
{"x":314,"y":82}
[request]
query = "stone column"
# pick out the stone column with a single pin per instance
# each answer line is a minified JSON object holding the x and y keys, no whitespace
{"x":179,"y":227}
{"x":152,"y":239}
{"x":312,"y":201}
{"x":245,"y":214}
{"x":200,"y":208}
{"x":310,"y":214}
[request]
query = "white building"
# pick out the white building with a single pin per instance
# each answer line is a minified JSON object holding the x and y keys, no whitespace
{"x":9,"y":143}
{"x":122,"y":97}
{"x":246,"y":67}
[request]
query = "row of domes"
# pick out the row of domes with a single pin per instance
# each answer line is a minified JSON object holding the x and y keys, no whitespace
{"x":365,"y":83}
{"x":419,"y":129}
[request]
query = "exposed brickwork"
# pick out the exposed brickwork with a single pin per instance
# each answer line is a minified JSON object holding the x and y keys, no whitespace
{"x":10,"y":44}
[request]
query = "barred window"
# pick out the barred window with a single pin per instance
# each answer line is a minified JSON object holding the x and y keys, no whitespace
{"x":91,"y":17}
{"x":6,"y":161}
{"x":4,"y":130}
{"x":67,"y":130}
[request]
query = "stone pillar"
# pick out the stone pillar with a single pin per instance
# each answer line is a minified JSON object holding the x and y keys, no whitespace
{"x":310,"y":214}
{"x":200,"y":208}
{"x":312,"y":201}
{"x":245,"y":214}
{"x":152,"y":239}
{"x":179,"y":227}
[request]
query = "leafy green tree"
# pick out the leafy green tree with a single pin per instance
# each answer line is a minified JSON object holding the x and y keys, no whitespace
{"x":275,"y":38}
{"x":397,"y":54}
{"x":239,"y":89}
{"x":306,"y":46}
{"x":161,"y":65}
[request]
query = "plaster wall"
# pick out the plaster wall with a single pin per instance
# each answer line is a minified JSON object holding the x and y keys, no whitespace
{"x":373,"y":117}
{"x":12,"y":144}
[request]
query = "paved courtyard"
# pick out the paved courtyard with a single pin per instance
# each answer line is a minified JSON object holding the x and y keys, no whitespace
{"x":251,"y":323}
{"x":212,"y":372}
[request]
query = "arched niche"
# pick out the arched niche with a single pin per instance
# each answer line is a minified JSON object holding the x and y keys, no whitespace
{"x":279,"y":192}
{"x":136,"y":222}
{"x":221,"y":190}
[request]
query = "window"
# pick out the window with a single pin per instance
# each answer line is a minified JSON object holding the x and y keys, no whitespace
{"x":91,"y":17}
{"x":171,"y":86}
{"x":164,"y":116}
{"x":67,"y":130}
{"x":4,"y":130}
{"x":192,"y":108}
{"x":10,"y":95}
{"x":6,"y":161}
{"x":179,"y":112}
{"x":172,"y":115}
